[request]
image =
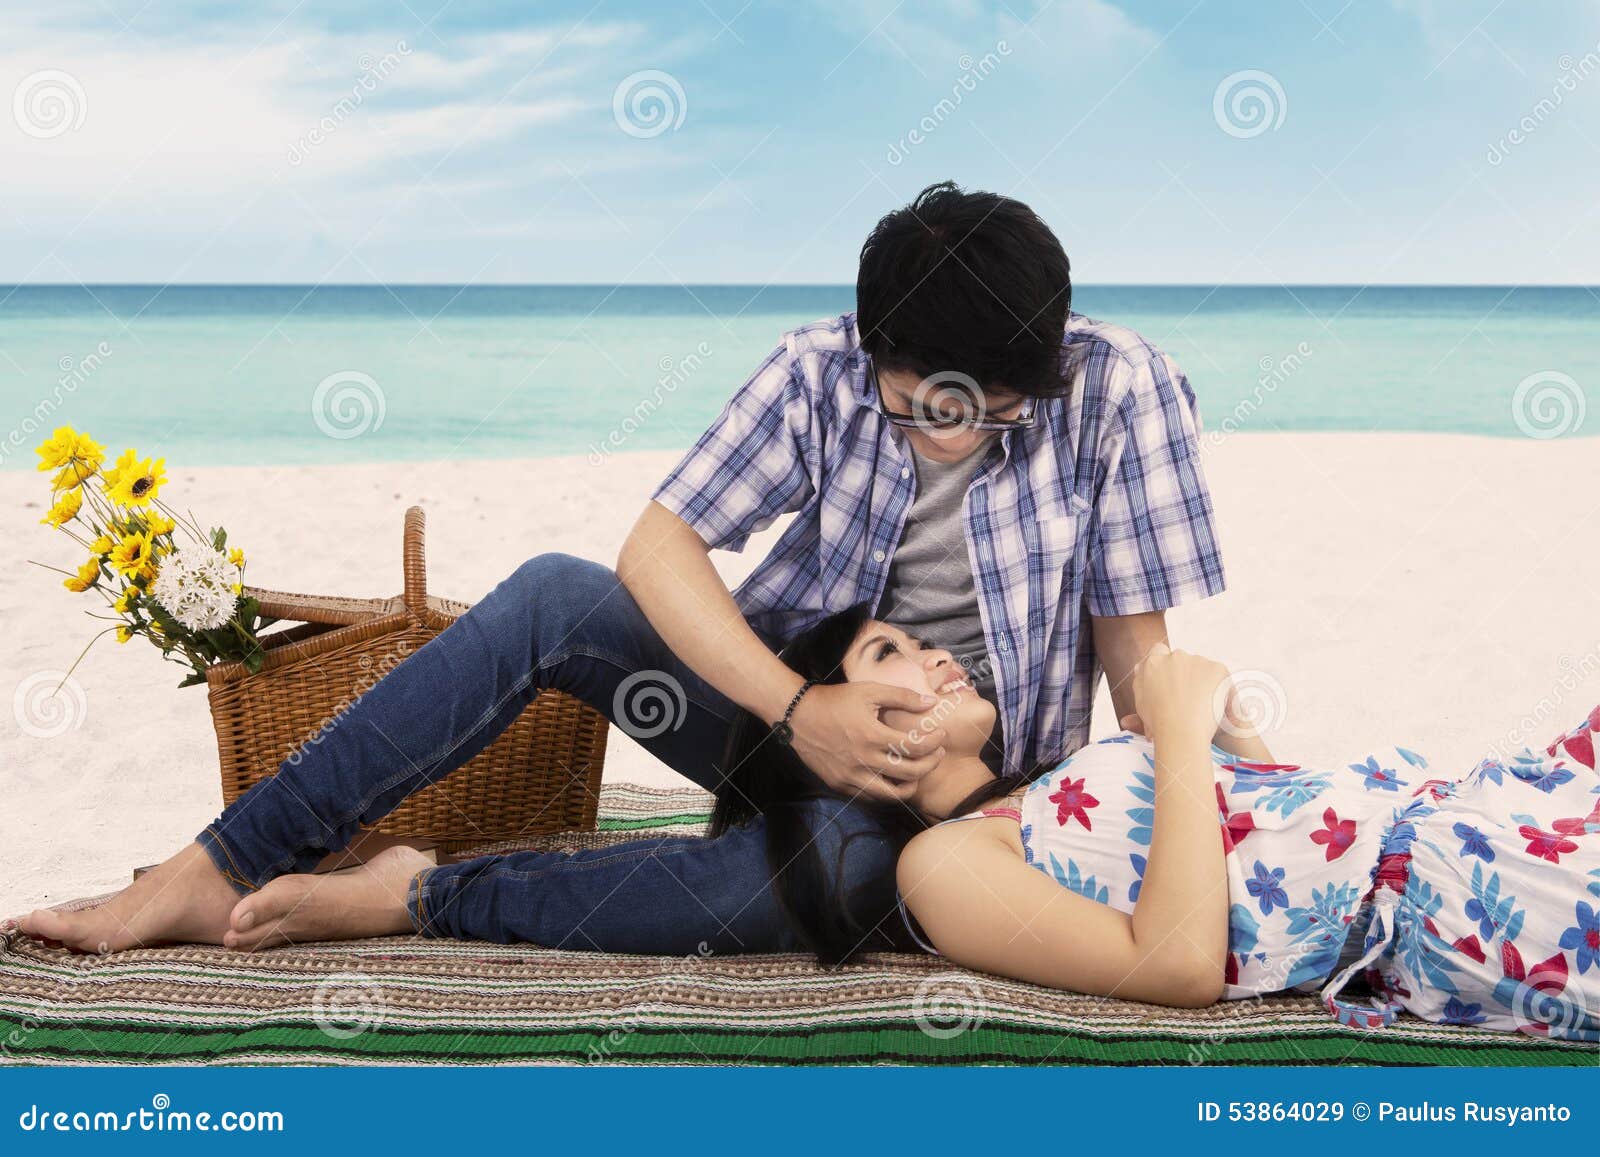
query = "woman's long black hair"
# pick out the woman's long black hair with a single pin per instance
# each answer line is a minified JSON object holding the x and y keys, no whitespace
{"x":761,"y":777}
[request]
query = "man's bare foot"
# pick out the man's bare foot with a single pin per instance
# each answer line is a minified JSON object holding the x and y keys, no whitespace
{"x":184,"y":899}
{"x":365,"y":901}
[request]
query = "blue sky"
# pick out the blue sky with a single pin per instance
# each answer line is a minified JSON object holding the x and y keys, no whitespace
{"x":454,"y":141}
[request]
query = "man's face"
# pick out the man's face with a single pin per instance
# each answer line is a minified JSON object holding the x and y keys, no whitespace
{"x":904,"y":392}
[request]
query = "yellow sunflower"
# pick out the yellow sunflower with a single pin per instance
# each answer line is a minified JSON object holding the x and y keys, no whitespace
{"x":236,"y":558}
{"x":76,"y":456}
{"x":129,"y":556}
{"x":161,"y":524}
{"x":125,"y":461}
{"x":56,"y":451}
{"x":102,"y":545}
{"x":85,"y":578}
{"x":65,"y":445}
{"x":124,"y":634}
{"x":137,"y":483}
{"x":65,"y":509}
{"x":124,"y":602}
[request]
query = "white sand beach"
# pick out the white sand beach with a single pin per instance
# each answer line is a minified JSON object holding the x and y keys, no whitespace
{"x":1436,"y":591}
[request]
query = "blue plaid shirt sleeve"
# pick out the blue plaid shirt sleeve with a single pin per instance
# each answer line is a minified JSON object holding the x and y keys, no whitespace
{"x":750,"y":466}
{"x":1154,"y":540}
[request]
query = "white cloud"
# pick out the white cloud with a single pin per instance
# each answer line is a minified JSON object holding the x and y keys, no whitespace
{"x":936,"y":34}
{"x":305,"y":126}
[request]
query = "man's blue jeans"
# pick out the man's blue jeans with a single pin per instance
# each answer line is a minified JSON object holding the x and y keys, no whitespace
{"x":566,"y":623}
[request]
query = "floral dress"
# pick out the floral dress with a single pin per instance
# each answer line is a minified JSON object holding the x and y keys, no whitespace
{"x":1486,"y":901}
{"x":1471,"y":901}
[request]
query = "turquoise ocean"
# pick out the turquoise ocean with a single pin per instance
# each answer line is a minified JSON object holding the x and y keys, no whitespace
{"x":282,"y":374}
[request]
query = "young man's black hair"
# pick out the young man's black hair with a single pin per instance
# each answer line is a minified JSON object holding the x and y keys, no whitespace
{"x":972,"y":282}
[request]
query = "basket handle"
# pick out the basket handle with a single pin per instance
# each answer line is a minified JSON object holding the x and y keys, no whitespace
{"x":415,"y":595}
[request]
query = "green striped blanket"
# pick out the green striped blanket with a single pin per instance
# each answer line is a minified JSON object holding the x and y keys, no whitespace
{"x":405,"y":1000}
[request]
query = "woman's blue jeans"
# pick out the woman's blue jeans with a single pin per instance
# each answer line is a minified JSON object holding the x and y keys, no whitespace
{"x":557,"y":622}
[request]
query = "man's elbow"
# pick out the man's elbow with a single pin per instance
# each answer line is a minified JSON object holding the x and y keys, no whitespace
{"x":656,"y":529}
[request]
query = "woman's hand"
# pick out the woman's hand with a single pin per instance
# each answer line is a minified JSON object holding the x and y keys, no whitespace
{"x":1236,"y":720}
{"x":1236,"y":734}
{"x":1178,"y":695}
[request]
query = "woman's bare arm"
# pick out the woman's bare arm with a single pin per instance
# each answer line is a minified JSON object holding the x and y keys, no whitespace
{"x":984,"y":907}
{"x":1185,"y":888}
{"x":1238,"y":736}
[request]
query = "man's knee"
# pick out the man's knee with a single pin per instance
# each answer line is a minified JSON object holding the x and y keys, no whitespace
{"x":554,"y":566}
{"x":565,"y":580}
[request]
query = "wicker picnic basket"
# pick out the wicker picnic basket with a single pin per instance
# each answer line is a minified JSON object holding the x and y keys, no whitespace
{"x":542,"y":774}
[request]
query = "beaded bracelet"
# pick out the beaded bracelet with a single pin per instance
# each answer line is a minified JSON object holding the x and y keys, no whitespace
{"x":781,"y":731}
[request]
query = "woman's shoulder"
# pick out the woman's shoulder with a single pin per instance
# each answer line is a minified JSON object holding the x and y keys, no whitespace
{"x":935,"y":851}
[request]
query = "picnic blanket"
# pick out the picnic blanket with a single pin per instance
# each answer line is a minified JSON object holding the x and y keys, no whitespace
{"x":409,"y":1000}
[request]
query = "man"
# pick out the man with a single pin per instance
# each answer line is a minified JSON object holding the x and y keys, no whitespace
{"x":996,"y":474}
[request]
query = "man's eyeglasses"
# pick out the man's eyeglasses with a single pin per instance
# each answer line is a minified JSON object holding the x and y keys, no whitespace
{"x":950,"y":401}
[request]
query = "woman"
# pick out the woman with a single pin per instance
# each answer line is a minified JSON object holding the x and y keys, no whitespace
{"x":1470,"y":901}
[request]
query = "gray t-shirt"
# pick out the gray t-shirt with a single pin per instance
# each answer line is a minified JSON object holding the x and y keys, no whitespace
{"x":929,"y":592}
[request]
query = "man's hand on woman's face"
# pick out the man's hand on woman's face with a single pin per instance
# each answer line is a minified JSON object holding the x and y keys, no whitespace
{"x":841,"y":736}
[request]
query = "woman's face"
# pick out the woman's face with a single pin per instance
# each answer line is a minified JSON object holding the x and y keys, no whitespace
{"x":882,"y":653}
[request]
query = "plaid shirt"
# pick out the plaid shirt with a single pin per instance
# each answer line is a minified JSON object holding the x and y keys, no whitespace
{"x":1100,"y":505}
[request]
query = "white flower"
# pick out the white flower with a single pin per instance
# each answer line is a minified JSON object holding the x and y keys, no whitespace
{"x":195,"y":585}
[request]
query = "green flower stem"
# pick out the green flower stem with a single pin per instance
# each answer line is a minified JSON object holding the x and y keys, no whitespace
{"x":58,"y":570}
{"x":81,"y":654}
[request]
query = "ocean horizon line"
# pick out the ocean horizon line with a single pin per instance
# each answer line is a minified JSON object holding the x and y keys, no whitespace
{"x":758,"y":285}
{"x":505,"y":370}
